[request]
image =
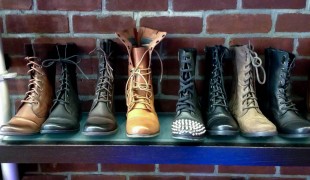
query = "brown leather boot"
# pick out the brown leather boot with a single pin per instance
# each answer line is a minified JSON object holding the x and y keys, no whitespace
{"x":142,"y":120}
{"x":243,"y":103}
{"x":39,"y":98}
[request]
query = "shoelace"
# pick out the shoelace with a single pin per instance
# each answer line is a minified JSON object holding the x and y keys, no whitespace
{"x":218,"y":96}
{"x":254,"y":64}
{"x":133,"y":98}
{"x":283,"y":91}
{"x":186,"y":92}
{"x":34,"y":83}
{"x":62,"y":92}
{"x":104,"y":85}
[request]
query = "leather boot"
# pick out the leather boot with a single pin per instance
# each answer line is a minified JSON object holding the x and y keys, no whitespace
{"x":142,"y":120}
{"x":243,"y":104}
{"x":64,"y":114}
{"x":101,"y":120}
{"x":188,"y":122}
{"x":279,"y":107}
{"x":38,"y":100}
{"x":219,"y":119}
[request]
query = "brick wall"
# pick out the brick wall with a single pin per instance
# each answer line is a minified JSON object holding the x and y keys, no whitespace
{"x":279,"y":23}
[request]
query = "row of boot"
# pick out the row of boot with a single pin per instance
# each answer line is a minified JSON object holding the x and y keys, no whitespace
{"x":219,"y":115}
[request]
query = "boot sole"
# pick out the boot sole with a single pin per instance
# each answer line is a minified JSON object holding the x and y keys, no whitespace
{"x":142,"y":135}
{"x":59,"y":131}
{"x":259,"y":134}
{"x":18,"y":134}
{"x":223,"y":133}
{"x":295,"y":135}
{"x":86,"y":133}
{"x":188,"y":138}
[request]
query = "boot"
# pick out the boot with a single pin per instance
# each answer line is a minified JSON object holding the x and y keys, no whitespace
{"x":279,"y":107}
{"x":219,"y":119}
{"x":64,"y":114}
{"x":101,"y":120}
{"x":39,"y":98}
{"x":243,"y":104}
{"x":142,"y":120}
{"x":188,"y":123}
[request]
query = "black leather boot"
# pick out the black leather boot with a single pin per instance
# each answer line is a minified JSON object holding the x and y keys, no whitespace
{"x":279,"y":107}
{"x":64,"y":114}
{"x":188,"y":123}
{"x":101,"y":120}
{"x":219,"y":120}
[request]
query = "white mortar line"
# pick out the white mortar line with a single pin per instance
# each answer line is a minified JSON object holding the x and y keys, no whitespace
{"x":103,"y":6}
{"x":156,"y":168}
{"x":239,"y":4}
{"x":295,"y":46}
{"x":70,"y":21}
{"x":34,"y":5}
{"x":204,"y":23}
{"x":308,"y":5}
{"x":4,"y":25}
{"x":274,"y":17}
{"x":278,"y":172}
{"x":170,"y":6}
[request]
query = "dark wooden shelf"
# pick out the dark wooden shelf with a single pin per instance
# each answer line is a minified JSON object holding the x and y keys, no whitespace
{"x":77,"y":148}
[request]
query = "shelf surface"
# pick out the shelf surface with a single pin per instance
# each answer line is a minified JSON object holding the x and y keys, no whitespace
{"x":117,"y":148}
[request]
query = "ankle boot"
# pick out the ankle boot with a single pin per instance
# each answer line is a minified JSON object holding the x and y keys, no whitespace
{"x":38,"y":100}
{"x":188,"y":123}
{"x":101,"y":120}
{"x":142,"y":120}
{"x":279,"y":107}
{"x":243,"y":104}
{"x":219,"y":119}
{"x":64,"y":114}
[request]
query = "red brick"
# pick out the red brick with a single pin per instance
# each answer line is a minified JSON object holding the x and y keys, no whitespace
{"x":1,"y":25}
{"x":182,"y":25}
{"x":86,"y":105}
{"x":260,"y":44}
{"x":18,"y":86}
{"x":215,"y":178}
{"x":89,"y":66}
{"x":18,"y":65}
{"x":167,"y":177}
{"x":16,"y":4}
{"x":95,"y":24}
{"x":295,"y":170}
{"x":37,"y":24}
{"x":186,"y":168}
{"x":170,"y":67}
{"x":301,"y":68}
{"x":85,"y":45}
{"x":172,"y":45}
{"x":297,"y":23}
{"x":165,"y":105}
{"x":44,"y":177}
{"x":247,"y":169}
{"x":68,"y":167}
{"x":128,"y":167}
{"x":97,"y":177}
{"x":86,"y":86}
{"x":274,"y":4}
{"x":185,"y":5}
{"x":304,"y":47}
{"x":14,"y":46}
{"x":275,"y":178}
{"x":239,"y":23}
{"x":170,"y":86}
{"x":70,"y":5}
{"x":132,"y":5}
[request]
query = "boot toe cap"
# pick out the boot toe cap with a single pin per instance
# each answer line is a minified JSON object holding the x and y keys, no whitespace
{"x":142,"y":127}
{"x":55,"y":125}
{"x":99,"y":125}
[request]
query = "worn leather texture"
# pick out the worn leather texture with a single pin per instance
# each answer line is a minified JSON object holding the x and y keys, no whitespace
{"x":64,"y":114}
{"x":219,"y":121}
{"x":36,"y":105}
{"x":250,"y":118}
{"x":101,"y":119}
{"x":289,"y":122}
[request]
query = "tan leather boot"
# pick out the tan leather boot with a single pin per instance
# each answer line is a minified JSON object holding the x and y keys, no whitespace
{"x":142,"y":120}
{"x":243,"y":103}
{"x":39,"y":98}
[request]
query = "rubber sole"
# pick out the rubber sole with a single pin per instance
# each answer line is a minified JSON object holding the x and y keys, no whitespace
{"x":18,"y":134}
{"x":295,"y":135}
{"x":188,"y":138}
{"x":223,"y":133}
{"x":99,"y":133}
{"x":59,"y":131}
{"x":259,"y":134}
{"x":142,"y":135}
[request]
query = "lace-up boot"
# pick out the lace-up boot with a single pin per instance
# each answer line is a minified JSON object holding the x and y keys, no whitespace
{"x":219,"y":119}
{"x":279,"y":107}
{"x":101,"y":120}
{"x":38,"y":100}
{"x":64,"y":115}
{"x":243,"y":104}
{"x":188,"y":123}
{"x":142,"y":120}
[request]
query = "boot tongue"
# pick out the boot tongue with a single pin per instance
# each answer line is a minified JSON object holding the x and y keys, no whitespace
{"x":141,"y":65}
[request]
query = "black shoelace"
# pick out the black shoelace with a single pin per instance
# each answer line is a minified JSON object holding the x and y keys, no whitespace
{"x":218,"y":96}
{"x":284,"y":94}
{"x":186,"y":92}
